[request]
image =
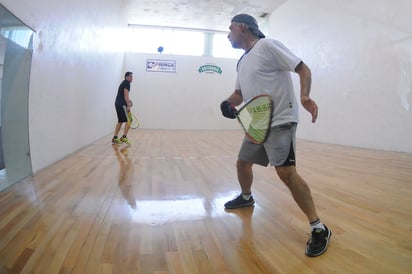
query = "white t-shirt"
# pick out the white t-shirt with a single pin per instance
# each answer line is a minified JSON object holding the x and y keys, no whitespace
{"x":265,"y":69}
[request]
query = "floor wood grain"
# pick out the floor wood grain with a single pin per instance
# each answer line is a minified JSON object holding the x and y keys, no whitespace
{"x":157,"y":207}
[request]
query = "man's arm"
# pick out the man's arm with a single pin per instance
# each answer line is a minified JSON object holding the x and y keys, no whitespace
{"x":126,"y":97}
{"x":305,"y":78}
{"x":235,"y":98}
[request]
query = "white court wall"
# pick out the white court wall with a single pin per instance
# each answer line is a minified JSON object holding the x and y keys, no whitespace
{"x":186,"y":99}
{"x":360,"y":54}
{"x":76,"y":68}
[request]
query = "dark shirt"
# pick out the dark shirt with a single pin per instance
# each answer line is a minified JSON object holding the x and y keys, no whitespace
{"x":120,"y":100}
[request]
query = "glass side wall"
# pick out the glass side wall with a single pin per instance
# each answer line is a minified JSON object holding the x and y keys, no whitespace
{"x":16,"y":41}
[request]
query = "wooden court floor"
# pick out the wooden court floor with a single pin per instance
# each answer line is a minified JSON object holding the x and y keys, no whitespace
{"x":157,"y":207}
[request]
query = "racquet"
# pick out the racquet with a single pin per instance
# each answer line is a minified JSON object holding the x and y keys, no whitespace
{"x":255,"y":117}
{"x":132,"y":120}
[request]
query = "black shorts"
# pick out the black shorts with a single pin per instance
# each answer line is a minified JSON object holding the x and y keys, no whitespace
{"x":121,"y":114}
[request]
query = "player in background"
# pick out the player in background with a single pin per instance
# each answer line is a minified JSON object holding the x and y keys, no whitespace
{"x":123,"y":105}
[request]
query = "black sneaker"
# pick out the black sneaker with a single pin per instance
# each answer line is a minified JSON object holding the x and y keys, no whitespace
{"x":239,"y":202}
{"x":318,"y":242}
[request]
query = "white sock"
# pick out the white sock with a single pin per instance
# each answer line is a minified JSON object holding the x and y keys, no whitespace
{"x":317,"y":224}
{"x":246,"y":196}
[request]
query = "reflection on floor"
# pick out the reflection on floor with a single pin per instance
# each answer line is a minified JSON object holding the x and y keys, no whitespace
{"x":156,"y":207}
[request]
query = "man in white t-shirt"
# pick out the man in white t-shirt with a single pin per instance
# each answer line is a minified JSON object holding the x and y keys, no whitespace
{"x":265,"y":68}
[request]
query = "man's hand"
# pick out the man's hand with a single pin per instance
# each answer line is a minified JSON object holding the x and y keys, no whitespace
{"x":310,"y":106}
{"x":228,"y":110}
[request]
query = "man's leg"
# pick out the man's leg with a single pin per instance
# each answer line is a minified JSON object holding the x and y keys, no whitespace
{"x":300,"y":190}
{"x":126,"y":129}
{"x":124,"y":138}
{"x":115,"y":139}
{"x":318,"y":241}
{"x":117,"y":129}
{"x":245,"y":177}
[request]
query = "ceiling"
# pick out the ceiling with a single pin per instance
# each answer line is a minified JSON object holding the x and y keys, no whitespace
{"x":209,"y":15}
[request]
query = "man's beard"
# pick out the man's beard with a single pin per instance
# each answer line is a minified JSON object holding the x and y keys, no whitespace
{"x":235,"y":45}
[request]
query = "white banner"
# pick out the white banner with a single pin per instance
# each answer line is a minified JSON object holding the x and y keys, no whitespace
{"x":155,"y":65}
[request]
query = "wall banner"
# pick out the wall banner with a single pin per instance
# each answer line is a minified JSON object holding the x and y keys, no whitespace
{"x":210,"y":68}
{"x":156,"y":65}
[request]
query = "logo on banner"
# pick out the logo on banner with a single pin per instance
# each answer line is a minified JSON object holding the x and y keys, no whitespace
{"x":210,"y":69}
{"x":155,"y":65}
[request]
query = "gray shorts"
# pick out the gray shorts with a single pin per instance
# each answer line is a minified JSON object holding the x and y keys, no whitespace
{"x":278,"y":149}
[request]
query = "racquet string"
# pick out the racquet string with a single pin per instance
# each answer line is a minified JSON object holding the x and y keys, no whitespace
{"x":260,"y":119}
{"x":255,"y":118}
